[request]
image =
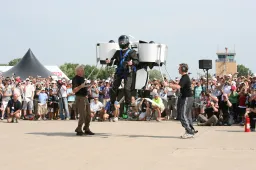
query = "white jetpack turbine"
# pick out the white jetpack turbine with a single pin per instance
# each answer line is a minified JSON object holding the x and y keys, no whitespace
{"x":104,"y":51}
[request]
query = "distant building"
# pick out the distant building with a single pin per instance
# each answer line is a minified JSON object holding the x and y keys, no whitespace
{"x":226,"y":63}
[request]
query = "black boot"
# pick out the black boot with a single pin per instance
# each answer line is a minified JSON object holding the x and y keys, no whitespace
{"x":89,"y":132}
{"x":79,"y":133}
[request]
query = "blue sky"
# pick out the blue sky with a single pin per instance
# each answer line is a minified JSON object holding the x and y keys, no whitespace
{"x":60,"y":31}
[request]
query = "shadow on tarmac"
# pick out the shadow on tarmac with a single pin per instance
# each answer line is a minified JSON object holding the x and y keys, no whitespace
{"x":101,"y":135}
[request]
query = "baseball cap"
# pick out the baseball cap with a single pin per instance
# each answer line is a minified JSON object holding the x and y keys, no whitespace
{"x":214,"y":79}
{"x":27,"y":79}
{"x":18,"y":79}
{"x":107,"y":81}
{"x":233,"y":88}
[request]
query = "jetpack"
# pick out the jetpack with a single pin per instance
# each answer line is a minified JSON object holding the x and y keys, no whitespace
{"x":150,"y":55}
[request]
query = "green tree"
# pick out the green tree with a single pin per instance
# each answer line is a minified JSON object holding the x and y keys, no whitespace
{"x":14,"y":62}
{"x":155,"y":74}
{"x":3,"y":64}
{"x":209,"y":75}
{"x":243,"y":71}
{"x":68,"y":69}
{"x":98,"y":73}
{"x":104,"y":73}
{"x":88,"y":71}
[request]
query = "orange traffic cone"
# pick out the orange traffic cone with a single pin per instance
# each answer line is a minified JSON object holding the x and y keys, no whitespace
{"x":247,"y":125}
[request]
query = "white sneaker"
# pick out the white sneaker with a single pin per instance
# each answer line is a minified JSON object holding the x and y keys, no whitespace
{"x":115,"y":119}
{"x":187,"y":136}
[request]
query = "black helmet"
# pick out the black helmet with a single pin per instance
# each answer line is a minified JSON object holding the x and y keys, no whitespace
{"x":151,"y":42}
{"x":123,"y":41}
{"x":111,"y":41}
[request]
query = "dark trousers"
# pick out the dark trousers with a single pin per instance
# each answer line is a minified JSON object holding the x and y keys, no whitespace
{"x":185,"y":113}
{"x":83,"y":106}
{"x":252,"y":116}
{"x":241,"y":112}
{"x":226,"y":118}
{"x":35,"y":102}
{"x":207,"y":122}
{"x":129,"y":83}
{"x":235,"y":111}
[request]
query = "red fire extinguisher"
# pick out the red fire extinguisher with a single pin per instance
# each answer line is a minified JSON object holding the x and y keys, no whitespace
{"x":247,"y":125}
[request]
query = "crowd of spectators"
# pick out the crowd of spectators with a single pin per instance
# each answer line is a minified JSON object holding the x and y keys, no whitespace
{"x":225,"y":101}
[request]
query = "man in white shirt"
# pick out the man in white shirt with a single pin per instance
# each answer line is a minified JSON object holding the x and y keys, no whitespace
{"x":6,"y":96}
{"x":63,"y":101}
{"x":28,"y":97}
{"x":97,"y":108}
{"x":215,"y":88}
{"x":71,"y":100}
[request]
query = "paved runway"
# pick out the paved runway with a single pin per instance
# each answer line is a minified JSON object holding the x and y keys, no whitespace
{"x":53,"y":145}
